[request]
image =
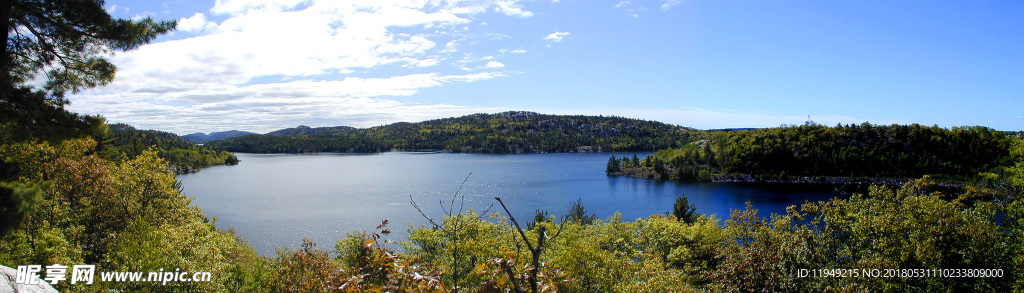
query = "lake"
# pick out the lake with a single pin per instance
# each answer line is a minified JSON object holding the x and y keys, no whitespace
{"x":276,"y":200}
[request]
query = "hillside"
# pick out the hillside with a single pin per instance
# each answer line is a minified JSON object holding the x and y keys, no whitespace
{"x":306,"y":130}
{"x":201,"y":138}
{"x":124,"y":142}
{"x":507,"y":132}
{"x":817,"y":153}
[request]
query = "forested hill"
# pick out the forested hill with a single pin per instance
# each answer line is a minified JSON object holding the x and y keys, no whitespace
{"x":507,"y":132}
{"x":124,"y":142}
{"x":813,"y":152}
{"x":306,"y":130}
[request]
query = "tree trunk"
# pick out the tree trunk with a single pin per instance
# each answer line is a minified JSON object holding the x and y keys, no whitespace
{"x":5,"y":77}
{"x":536,"y":259}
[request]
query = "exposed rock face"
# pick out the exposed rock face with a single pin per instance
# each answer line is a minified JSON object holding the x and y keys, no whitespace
{"x":7,"y":285}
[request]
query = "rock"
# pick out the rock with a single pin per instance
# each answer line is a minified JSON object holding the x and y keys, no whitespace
{"x":7,"y":285}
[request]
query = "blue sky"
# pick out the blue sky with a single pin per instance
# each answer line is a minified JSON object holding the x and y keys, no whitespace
{"x":268,"y":64}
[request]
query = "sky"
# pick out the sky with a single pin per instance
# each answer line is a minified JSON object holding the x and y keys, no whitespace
{"x":263,"y":65}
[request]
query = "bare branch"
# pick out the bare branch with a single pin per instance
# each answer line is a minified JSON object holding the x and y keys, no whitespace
{"x":513,"y":219}
{"x":452,"y":205}
{"x":421,"y":212}
{"x":488,"y":210}
{"x":560,"y":227}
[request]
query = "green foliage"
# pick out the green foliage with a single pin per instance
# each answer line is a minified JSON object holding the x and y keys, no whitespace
{"x":905,"y":229}
{"x":126,"y":142}
{"x":683,"y":210}
{"x":509,"y":132}
{"x":305,"y":270}
{"x":458,"y":246}
{"x":370,"y":267}
{"x":538,"y":217}
{"x":613,"y":166}
{"x":1015,"y":211}
{"x":68,"y":41}
{"x":811,"y":152}
{"x":26,"y":115}
{"x":74,"y":207}
{"x":578,"y":213}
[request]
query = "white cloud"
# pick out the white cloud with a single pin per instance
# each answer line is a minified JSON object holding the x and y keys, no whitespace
{"x":325,"y":37}
{"x":264,"y":107}
{"x":557,"y":36}
{"x":197,"y":23}
{"x":516,"y":51}
{"x":511,"y":8}
{"x":301,"y":56}
{"x":241,"y":6}
{"x":668,"y":4}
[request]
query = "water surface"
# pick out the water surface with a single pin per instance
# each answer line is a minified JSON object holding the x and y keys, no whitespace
{"x":276,"y":200}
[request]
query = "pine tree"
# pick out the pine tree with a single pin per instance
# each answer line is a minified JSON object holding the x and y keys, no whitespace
{"x":684,"y":210}
{"x":613,"y":166}
{"x":67,"y":40}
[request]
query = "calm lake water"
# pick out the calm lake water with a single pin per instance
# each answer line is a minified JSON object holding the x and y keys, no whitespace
{"x":276,"y":200}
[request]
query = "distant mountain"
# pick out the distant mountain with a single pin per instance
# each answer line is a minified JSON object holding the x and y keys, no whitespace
{"x":201,"y":138}
{"x":507,"y":132}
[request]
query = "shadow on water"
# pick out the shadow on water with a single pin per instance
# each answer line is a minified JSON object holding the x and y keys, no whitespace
{"x":712,"y":198}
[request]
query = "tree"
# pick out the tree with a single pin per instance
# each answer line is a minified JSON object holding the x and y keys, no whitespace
{"x":539,"y":216}
{"x":579,"y":214}
{"x":613,"y":166}
{"x":684,"y":210}
{"x":68,"y":41}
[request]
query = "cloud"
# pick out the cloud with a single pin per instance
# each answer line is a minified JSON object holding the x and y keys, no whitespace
{"x":556,"y":36}
{"x":668,"y":4}
{"x":268,"y":106}
{"x":494,"y":64}
{"x":300,"y":57}
{"x":511,"y":8}
{"x":241,"y":6}
{"x":197,"y":23}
